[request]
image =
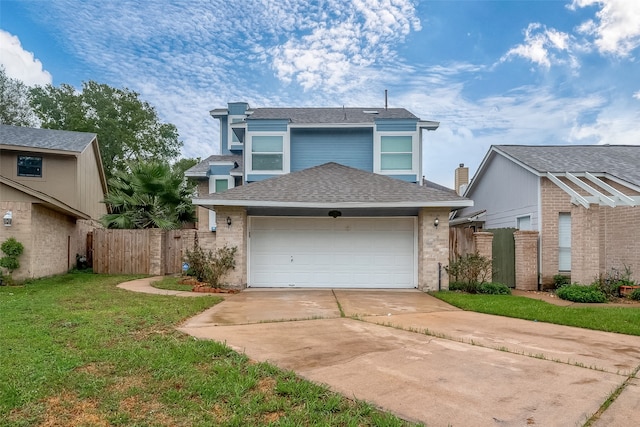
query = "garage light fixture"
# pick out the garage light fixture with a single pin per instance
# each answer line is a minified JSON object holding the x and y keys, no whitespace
{"x":436,"y":222}
{"x":7,"y":219}
{"x":335,"y":214}
{"x":229,"y":221}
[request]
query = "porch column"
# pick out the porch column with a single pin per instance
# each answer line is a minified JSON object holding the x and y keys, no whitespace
{"x":585,"y":244}
{"x":433,"y":249}
{"x":233,"y":235}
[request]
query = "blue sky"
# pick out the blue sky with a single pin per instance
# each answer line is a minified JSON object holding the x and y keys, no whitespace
{"x":491,"y":72}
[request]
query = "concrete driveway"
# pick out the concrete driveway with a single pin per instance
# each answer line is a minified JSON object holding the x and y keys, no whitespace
{"x":424,"y":360}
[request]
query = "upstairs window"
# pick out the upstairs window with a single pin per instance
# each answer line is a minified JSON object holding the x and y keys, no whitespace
{"x":30,"y":166}
{"x":267,"y":153}
{"x":396,"y":152}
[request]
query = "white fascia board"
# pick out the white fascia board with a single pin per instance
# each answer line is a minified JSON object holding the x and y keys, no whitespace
{"x":196,"y":174}
{"x":331,"y":125}
{"x":219,"y":112}
{"x":428,"y":125}
{"x":346,"y":205}
{"x":221,"y":163}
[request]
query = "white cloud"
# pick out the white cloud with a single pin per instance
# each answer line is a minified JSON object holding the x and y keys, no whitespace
{"x":637,"y":95}
{"x":336,"y":50}
{"x":19,"y":63}
{"x":616,"y":29}
{"x":544,"y":46}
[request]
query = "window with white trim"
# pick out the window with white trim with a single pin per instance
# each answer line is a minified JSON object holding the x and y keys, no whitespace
{"x":564,"y":242}
{"x":267,"y":153}
{"x":523,"y":222}
{"x":233,"y":138}
{"x":218,"y":184}
{"x":396,"y":152}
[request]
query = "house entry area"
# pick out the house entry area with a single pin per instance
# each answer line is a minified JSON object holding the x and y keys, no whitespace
{"x":343,"y":252}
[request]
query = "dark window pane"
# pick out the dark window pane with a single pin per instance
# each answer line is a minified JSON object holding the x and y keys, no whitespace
{"x":29,"y":166}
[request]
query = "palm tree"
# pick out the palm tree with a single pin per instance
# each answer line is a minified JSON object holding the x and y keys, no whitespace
{"x":149,"y":195}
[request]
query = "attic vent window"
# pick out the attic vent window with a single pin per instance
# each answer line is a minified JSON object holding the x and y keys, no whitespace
{"x":370,"y":111}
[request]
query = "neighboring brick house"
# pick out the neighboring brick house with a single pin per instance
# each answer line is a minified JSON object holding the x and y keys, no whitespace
{"x":326,"y":197}
{"x":584,"y":201}
{"x":51,"y":185}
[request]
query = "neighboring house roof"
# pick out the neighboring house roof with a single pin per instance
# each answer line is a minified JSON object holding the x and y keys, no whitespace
{"x":332,"y":185}
{"x":48,"y":139}
{"x":46,"y":199}
{"x":620,"y":161}
{"x":201,"y":169}
{"x":330,"y":115}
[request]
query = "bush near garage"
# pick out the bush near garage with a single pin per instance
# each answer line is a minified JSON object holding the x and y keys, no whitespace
{"x":581,"y":293}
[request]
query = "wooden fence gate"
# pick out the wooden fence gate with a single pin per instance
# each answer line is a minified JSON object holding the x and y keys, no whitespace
{"x":149,"y":251}
{"x":461,"y":243}
{"x":504,"y":256}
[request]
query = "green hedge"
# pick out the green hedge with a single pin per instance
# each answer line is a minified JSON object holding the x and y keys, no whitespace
{"x":580,"y":293}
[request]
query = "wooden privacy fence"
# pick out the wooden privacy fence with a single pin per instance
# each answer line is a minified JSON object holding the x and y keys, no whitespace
{"x":149,"y":251}
{"x":461,"y":242}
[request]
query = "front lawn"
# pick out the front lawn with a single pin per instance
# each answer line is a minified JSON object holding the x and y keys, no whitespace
{"x":610,"y":319}
{"x":77,"y":351}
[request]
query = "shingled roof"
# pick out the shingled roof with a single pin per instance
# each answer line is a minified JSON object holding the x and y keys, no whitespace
{"x":332,"y":185}
{"x":48,"y":139}
{"x":330,"y":115}
{"x":202,"y":168}
{"x":620,"y":161}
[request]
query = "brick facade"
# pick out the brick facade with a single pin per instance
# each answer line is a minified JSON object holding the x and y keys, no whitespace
{"x":433,"y":249}
{"x":51,"y":240}
{"x":602,"y":237}
{"x":483,"y":242}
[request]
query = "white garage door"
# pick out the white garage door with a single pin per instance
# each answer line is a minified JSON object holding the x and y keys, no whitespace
{"x":332,"y":252}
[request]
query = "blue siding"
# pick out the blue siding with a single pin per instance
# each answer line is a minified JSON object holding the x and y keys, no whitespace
{"x":259,"y":177}
{"x":220,"y":169}
{"x":267,"y":125}
{"x":408,"y":178}
{"x":237,"y":108}
{"x":350,"y":147}
{"x":224,"y":135}
{"x":392,"y":125}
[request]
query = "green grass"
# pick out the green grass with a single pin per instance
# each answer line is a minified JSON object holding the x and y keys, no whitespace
{"x":170,"y":283}
{"x":78,"y":351}
{"x":610,"y":319}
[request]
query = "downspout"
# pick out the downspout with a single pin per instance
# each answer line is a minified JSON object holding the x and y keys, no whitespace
{"x":439,"y":276}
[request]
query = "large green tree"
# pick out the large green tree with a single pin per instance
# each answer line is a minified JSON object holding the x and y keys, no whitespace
{"x":149,"y":195}
{"x":14,"y":102}
{"x":128,"y":128}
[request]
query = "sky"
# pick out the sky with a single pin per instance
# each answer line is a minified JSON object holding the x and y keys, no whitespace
{"x":491,"y":72}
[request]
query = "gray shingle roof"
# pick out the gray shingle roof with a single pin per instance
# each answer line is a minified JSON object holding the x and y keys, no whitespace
{"x":202,"y":168}
{"x":621,"y":161}
{"x":45,"y":138}
{"x":330,"y":115}
{"x":336,"y":185}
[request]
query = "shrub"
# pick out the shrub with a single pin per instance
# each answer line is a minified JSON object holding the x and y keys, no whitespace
{"x":561,"y":280}
{"x":494,"y":289}
{"x":611,"y":282}
{"x":635,"y":295}
{"x":471,"y":288}
{"x":581,"y":293}
{"x":470,"y":270}
{"x":210,"y":267}
{"x":12,"y":250}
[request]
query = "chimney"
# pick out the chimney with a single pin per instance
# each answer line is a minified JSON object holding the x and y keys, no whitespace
{"x":461,"y":179}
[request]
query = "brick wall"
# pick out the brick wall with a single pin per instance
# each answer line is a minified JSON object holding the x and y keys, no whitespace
{"x":526,"y":248}
{"x":553,"y":201}
{"x":21,"y":231}
{"x":433,"y":249}
{"x":620,"y":227}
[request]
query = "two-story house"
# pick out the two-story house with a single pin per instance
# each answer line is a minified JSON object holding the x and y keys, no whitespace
{"x":51,"y":187}
{"x":326,"y":197}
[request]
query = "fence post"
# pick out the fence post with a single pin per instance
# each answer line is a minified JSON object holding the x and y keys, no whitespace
{"x":526,"y":244}
{"x":484,"y":246}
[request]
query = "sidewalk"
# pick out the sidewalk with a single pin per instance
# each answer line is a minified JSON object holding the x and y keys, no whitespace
{"x":144,"y":285}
